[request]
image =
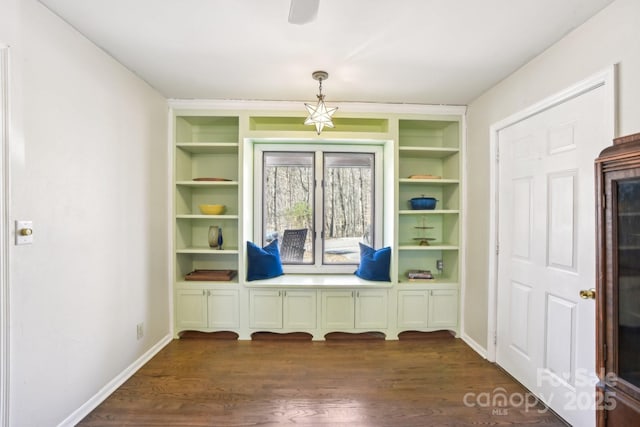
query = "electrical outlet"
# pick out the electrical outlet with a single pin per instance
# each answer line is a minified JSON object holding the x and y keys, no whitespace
{"x":140,"y":330}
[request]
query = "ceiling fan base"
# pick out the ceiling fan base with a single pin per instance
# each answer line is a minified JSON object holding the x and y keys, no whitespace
{"x":303,"y":11}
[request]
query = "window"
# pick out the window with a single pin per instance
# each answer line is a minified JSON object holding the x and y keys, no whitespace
{"x":320,"y":202}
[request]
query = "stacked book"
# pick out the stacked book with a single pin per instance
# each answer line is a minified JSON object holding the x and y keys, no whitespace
{"x":419,"y":275}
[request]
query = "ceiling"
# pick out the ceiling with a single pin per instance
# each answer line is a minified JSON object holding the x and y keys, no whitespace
{"x":391,"y":51}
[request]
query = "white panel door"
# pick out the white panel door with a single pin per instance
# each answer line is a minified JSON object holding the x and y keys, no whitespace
{"x":545,"y":332}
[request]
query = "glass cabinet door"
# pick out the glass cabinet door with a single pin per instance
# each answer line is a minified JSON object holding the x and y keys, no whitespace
{"x":626,"y":215}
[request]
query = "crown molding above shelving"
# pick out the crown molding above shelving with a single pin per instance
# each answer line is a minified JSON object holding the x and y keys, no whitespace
{"x":345,"y":107}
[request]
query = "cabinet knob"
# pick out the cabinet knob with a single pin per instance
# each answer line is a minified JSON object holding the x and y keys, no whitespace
{"x":588,"y":293}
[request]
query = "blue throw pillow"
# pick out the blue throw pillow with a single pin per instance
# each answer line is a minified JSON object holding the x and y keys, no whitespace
{"x":263,"y":263}
{"x":374,"y":264}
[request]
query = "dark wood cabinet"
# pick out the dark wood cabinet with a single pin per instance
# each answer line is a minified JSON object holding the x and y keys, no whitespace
{"x":618,"y":282}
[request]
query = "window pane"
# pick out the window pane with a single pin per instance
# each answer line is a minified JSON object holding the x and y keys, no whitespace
{"x":288,"y":204}
{"x":348,"y":206}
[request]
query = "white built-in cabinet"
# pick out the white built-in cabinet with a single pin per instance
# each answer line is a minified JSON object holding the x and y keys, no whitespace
{"x":432,"y":151}
{"x":205,"y":147}
{"x":218,"y":144}
{"x":427,"y":309}
{"x":345,"y":310}
{"x":211,"y":309}
{"x":275,"y":309}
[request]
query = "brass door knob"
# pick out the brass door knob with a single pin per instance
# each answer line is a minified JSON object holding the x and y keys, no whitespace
{"x":588,"y":293}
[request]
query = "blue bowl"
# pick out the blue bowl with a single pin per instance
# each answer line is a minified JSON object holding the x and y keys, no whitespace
{"x":423,"y":203}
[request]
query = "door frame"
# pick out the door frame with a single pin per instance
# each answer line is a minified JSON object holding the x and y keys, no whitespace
{"x":604,"y":78}
{"x":4,"y":235}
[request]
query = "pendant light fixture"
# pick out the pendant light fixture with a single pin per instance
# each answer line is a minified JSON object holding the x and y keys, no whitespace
{"x":319,"y":115}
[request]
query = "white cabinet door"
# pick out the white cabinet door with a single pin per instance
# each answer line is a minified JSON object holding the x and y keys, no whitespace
{"x":412,"y":310}
{"x":427,"y":309}
{"x":191,"y":308}
{"x":207,"y":309}
{"x":371,"y":309}
{"x":265,"y":309}
{"x":338,"y":311}
{"x":363,"y":309}
{"x":223,"y":308}
{"x":299,"y":309}
{"x":443,"y":308}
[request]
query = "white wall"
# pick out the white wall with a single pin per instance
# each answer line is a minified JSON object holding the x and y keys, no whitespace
{"x":89,"y":165}
{"x":612,"y":36}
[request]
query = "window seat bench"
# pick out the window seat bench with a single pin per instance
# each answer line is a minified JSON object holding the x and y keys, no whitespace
{"x":317,"y":281}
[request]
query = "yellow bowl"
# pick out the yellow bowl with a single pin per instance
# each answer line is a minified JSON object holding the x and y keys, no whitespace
{"x":212,"y":209}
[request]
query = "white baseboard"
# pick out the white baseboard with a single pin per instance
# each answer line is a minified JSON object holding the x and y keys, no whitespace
{"x":474,"y":345}
{"x":106,"y":391}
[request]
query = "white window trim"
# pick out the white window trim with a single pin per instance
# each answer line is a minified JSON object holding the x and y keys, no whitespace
{"x":375,"y":147}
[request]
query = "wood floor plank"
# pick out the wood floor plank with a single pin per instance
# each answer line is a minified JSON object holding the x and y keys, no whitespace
{"x":200,"y":382}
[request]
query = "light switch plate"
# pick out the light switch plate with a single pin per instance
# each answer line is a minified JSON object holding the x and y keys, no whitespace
{"x":22,"y":239}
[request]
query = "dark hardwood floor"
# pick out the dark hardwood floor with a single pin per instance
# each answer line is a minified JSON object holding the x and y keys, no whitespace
{"x":344,"y":382}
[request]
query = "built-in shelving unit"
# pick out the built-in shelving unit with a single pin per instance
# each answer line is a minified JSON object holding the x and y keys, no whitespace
{"x":429,"y":239}
{"x":429,"y":148}
{"x":206,"y":147}
{"x":212,"y":143}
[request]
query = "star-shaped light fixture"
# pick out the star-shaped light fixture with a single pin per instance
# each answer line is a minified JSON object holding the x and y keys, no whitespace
{"x":319,"y":115}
